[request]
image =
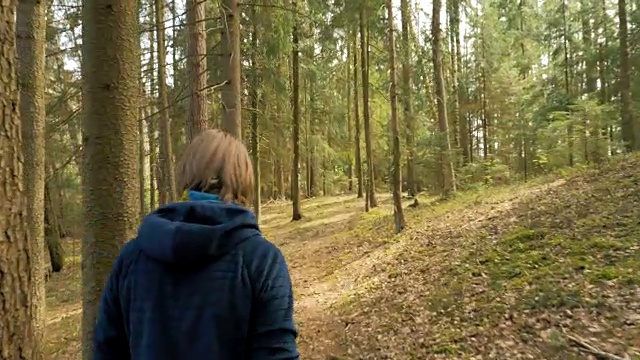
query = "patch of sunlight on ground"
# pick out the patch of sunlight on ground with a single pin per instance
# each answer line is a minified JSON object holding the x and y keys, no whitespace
{"x":330,"y":220}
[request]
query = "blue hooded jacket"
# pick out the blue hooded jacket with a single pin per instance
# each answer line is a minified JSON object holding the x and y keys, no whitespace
{"x":198,"y":282}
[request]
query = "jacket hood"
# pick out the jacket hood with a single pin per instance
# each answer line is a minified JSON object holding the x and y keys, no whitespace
{"x":195,"y":231}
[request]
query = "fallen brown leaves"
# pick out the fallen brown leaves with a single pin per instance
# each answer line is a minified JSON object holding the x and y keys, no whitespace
{"x":517,"y":273}
{"x":537,"y":271}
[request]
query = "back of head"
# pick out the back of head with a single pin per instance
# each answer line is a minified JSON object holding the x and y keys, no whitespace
{"x":195,"y":231}
{"x":217,"y":163}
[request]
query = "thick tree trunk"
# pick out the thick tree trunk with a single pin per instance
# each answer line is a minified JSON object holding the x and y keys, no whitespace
{"x":110,"y":70}
{"x":30,"y":32}
{"x":18,"y":339}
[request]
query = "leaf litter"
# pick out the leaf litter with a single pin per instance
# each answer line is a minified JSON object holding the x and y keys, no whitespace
{"x":537,"y":271}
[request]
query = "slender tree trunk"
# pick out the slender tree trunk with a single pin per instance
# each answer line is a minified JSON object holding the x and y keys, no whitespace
{"x":311,"y":131}
{"x":30,"y":32}
{"x":629,"y":128}
{"x":18,"y":327}
{"x":111,"y":145}
{"x":279,"y":167}
{"x":179,"y":121}
{"x":279,"y":174}
{"x":464,"y":124}
{"x":448,"y":183}
{"x":295,"y":168}
{"x":395,"y":132}
{"x":197,"y":68}
{"x":141,"y":160}
{"x":349,"y":127}
{"x":255,"y":138}
{"x":364,"y":64}
{"x":325,"y":162}
{"x":486,"y":147}
{"x":231,"y":91}
{"x":165,"y":162}
{"x":565,"y":42}
{"x":151,"y":119}
{"x":407,"y":101}
{"x":356,"y":114}
{"x":524,"y":141}
{"x":51,"y":233}
{"x":454,"y":116}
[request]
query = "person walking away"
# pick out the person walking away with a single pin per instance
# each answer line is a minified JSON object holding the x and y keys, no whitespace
{"x":200,"y":281}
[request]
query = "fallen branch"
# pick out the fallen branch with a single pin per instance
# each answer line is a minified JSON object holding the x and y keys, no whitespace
{"x":586,"y":347}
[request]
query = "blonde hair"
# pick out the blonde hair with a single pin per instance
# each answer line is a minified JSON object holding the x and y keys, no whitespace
{"x":217,"y":163}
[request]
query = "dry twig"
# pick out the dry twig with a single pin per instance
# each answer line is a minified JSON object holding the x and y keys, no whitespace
{"x":585,"y":346}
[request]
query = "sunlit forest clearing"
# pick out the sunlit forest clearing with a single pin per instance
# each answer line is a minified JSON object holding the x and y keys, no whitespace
{"x":542,"y":270}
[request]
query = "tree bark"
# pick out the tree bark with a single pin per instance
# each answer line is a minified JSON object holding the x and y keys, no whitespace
{"x":110,"y":69}
{"x":167,"y":188}
{"x":18,"y":339}
{"x":629,"y":128}
{"x":356,"y":114}
{"x":151,"y":119}
{"x":364,"y":65}
{"x":448,"y":177}
{"x":30,"y":32}
{"x":197,"y":68}
{"x":349,"y":125}
{"x":295,"y":168}
{"x":395,"y":132}
{"x":407,"y":100}
{"x":255,"y":138}
{"x":51,"y":233}
{"x":231,"y":91}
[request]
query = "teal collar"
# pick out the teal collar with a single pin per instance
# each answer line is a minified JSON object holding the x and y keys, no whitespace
{"x":202,"y":196}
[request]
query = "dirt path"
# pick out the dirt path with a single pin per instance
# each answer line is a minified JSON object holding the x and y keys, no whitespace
{"x":326,"y":268}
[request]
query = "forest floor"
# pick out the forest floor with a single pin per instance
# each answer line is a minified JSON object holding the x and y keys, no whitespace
{"x":543,"y":270}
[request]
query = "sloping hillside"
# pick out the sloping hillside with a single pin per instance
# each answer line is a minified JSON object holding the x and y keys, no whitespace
{"x":535,"y":271}
{"x":546,"y":271}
